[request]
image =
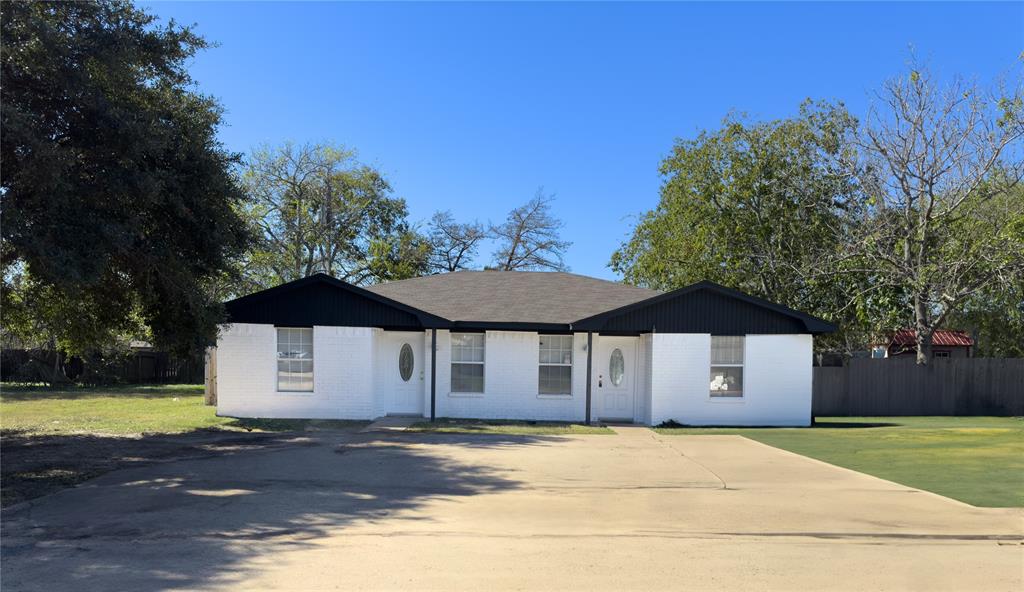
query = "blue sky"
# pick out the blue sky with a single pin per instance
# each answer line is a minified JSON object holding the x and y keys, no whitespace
{"x":472,"y":107}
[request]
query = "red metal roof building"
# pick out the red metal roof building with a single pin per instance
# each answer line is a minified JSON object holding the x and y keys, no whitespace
{"x":946,"y":343}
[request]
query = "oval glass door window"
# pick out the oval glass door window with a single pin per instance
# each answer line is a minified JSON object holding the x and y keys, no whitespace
{"x":405,"y":362}
{"x":616,"y":367}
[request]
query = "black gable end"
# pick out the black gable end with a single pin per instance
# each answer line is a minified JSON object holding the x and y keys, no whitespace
{"x":704,"y":312}
{"x":704,"y":308}
{"x":322,"y":300}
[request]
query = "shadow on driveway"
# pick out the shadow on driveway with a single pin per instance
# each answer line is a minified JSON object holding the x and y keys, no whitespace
{"x":191,"y":523}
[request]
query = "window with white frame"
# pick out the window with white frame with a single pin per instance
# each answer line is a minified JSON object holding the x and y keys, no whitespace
{"x":467,"y":362}
{"x":294,"y":359}
{"x":726,"y":366}
{"x":555,"y":365}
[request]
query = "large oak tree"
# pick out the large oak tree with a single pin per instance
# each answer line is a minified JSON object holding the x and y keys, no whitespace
{"x":117,"y":199}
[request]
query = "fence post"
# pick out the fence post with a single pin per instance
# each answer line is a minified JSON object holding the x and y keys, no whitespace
{"x":210,"y":376}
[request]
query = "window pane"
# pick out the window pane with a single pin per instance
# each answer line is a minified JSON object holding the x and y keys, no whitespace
{"x":467,"y":347}
{"x":295,"y":359}
{"x":616,"y":367}
{"x":556,"y":349}
{"x":726,"y":350}
{"x":405,"y":362}
{"x":548,"y":356}
{"x":726,"y":381}
{"x":555,"y":380}
{"x":467,"y":378}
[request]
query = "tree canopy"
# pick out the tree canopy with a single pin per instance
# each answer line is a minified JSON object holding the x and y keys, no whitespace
{"x":754,"y":206}
{"x":117,"y":197}
{"x":529,"y":238}
{"x":316,"y":208}
{"x":940,"y":166}
{"x":913,"y":218}
{"x":454,"y":244}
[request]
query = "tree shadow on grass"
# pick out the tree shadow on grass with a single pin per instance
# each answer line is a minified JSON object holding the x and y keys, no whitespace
{"x":197,"y":523}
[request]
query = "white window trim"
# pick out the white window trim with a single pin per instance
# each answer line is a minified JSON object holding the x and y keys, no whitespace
{"x":729,"y":398}
{"x":572,"y":357}
{"x":471,"y":394}
{"x":278,"y":359}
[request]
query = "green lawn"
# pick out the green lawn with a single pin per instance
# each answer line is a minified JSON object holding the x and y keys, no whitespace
{"x":978,"y":460}
{"x":523,"y":428}
{"x":123,"y":411}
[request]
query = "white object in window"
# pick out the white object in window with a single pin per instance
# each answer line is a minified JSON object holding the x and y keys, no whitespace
{"x":294,"y":359}
{"x":467,"y":362}
{"x":405,"y":362}
{"x":616,"y":367}
{"x":726,"y":366}
{"x":555,"y":365}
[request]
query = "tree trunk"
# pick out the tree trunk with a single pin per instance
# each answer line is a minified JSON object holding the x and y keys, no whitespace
{"x":922,"y":333}
{"x":924,"y":345}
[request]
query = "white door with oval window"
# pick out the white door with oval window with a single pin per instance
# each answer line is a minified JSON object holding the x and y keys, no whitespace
{"x":405,"y":369}
{"x":616,"y":382}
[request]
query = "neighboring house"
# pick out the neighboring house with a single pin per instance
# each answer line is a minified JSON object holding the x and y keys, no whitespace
{"x":515,"y":345}
{"x":946,"y":343}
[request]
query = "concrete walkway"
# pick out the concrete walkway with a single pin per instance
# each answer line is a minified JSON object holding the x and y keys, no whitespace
{"x":400,"y":510}
{"x":390,"y":424}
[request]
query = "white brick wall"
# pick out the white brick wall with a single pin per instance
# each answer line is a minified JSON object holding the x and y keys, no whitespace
{"x":679,"y":377}
{"x":672,"y":381}
{"x":343,"y":385}
{"x":646,"y":366}
{"x":776,"y":382}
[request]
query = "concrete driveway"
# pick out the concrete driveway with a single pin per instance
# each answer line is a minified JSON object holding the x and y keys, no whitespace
{"x":449,"y":512}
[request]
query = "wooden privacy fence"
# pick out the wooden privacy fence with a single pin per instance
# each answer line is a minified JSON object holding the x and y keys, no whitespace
{"x":139,"y":367}
{"x":898,"y":386}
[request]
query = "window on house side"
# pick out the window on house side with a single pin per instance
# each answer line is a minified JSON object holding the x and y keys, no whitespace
{"x":940,"y":354}
{"x":467,"y":362}
{"x":726,"y":366}
{"x":294,"y":359}
{"x":555,"y":365}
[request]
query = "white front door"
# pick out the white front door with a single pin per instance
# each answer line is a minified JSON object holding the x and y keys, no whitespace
{"x":403,"y":369}
{"x":616,"y":369}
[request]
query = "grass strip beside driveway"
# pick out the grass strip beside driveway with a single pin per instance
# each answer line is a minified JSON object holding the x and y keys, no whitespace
{"x":978,"y":460}
{"x":506,"y":427}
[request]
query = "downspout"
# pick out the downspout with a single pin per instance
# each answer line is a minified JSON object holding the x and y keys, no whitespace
{"x":590,"y":358}
{"x":433,"y":374}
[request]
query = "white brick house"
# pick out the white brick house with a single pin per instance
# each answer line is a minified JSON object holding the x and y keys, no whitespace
{"x":515,"y":345}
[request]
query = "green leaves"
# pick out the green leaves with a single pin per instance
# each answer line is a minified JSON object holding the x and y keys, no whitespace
{"x":759,"y":207}
{"x":316,"y":208}
{"x":116,"y":193}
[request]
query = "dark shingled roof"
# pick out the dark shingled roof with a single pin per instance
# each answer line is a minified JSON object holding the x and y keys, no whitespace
{"x":512,"y":296}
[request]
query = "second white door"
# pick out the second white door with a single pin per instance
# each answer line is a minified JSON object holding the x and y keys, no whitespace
{"x":616,"y":383}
